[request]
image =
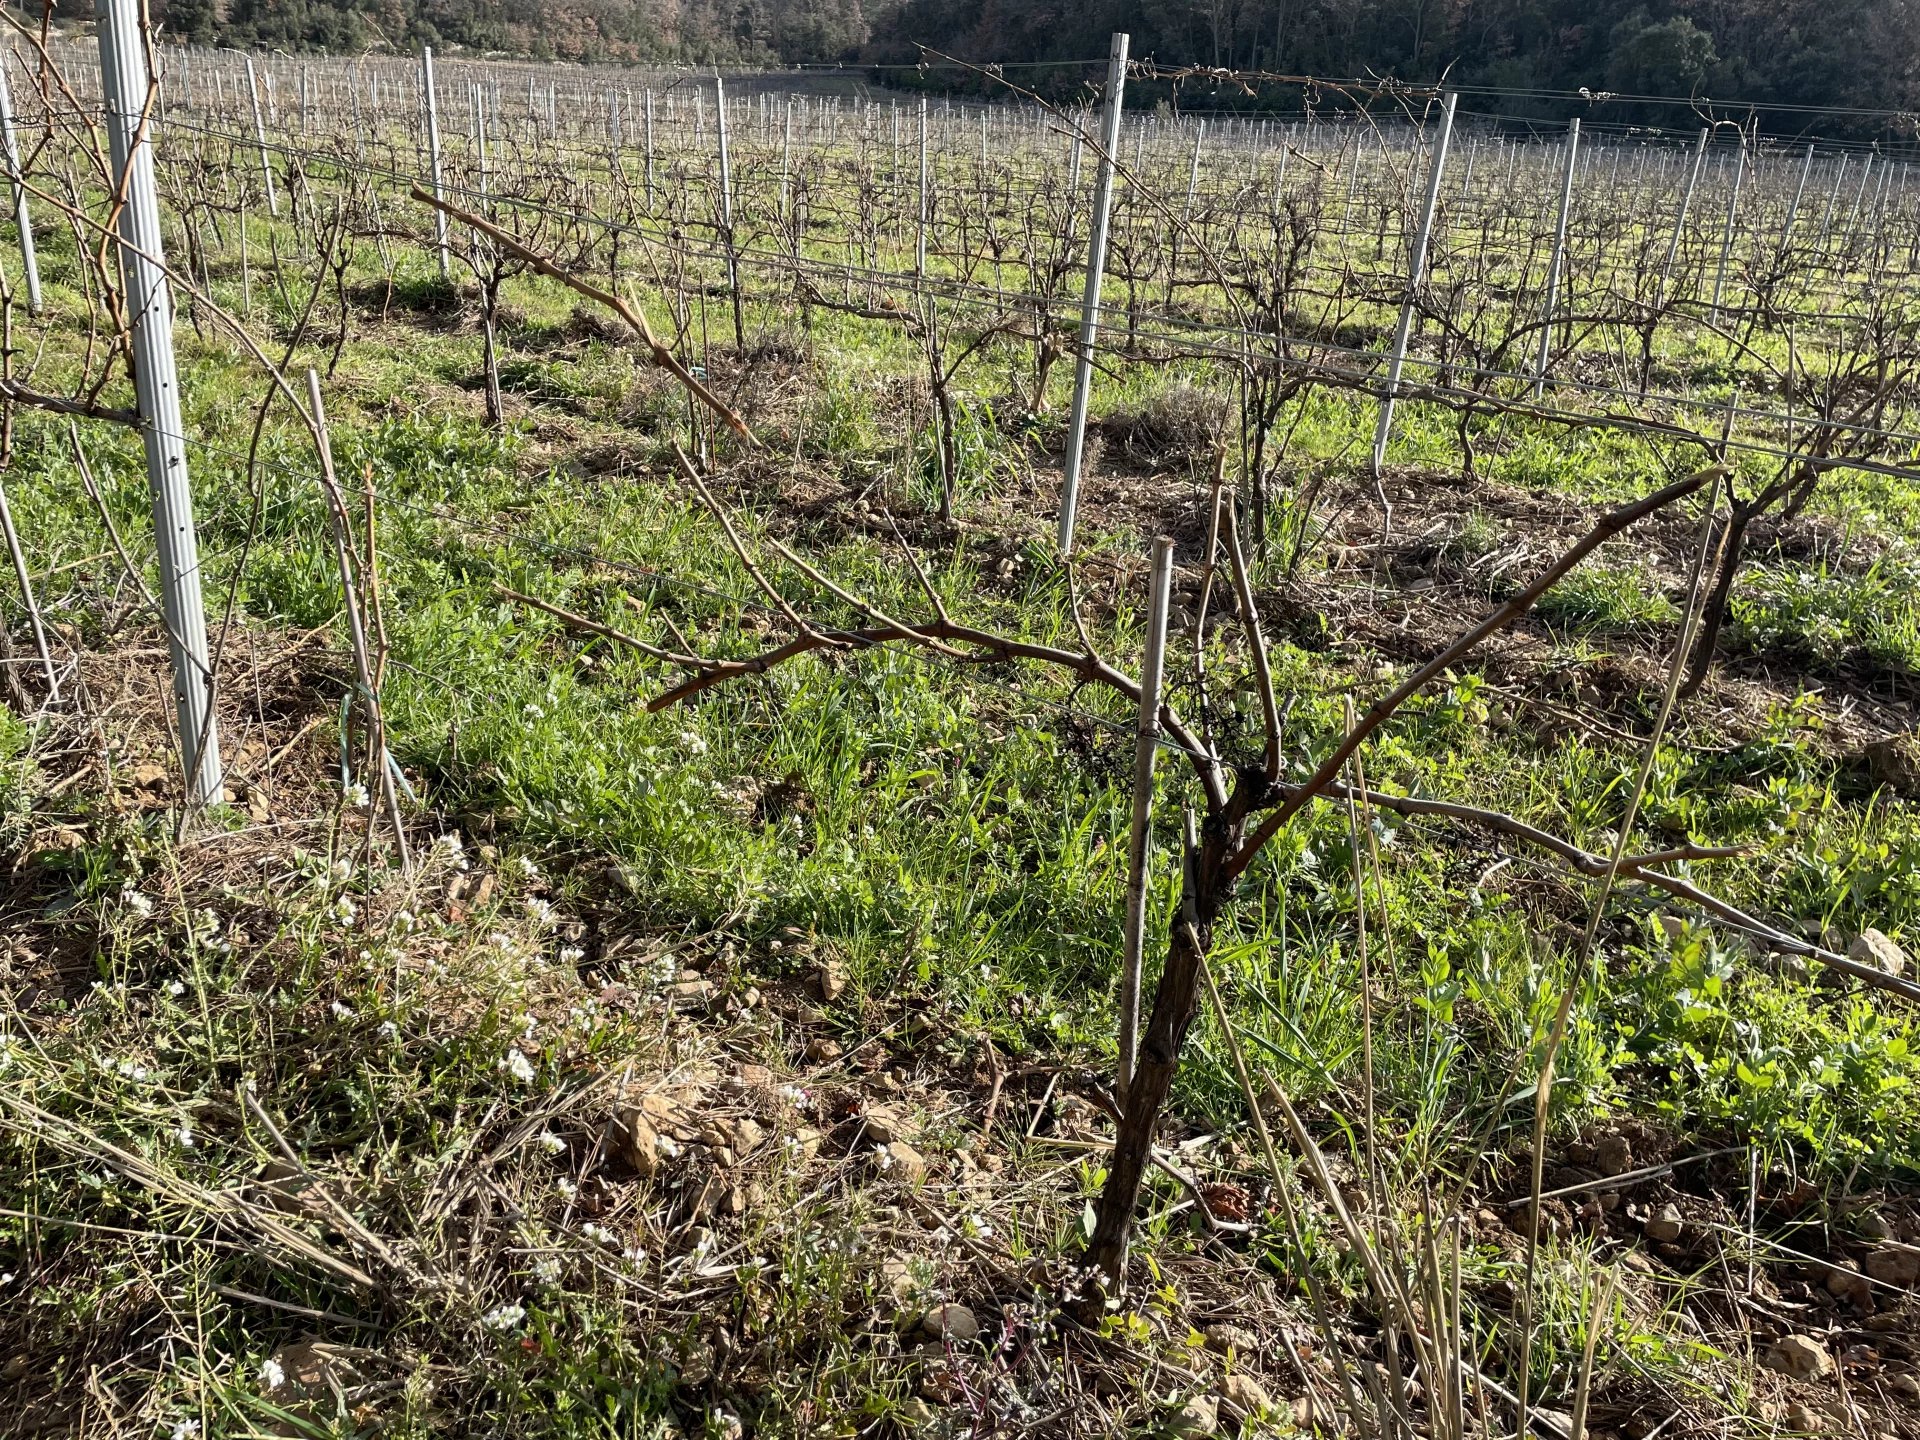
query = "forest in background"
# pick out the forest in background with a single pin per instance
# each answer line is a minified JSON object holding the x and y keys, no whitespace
{"x":1829,"y":56}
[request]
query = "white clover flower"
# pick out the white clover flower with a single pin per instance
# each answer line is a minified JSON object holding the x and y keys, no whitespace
{"x":518,"y":1066}
{"x":141,"y":905}
{"x":551,"y":1143}
{"x":571,"y":955}
{"x":272,"y":1375}
{"x":504,"y":1317}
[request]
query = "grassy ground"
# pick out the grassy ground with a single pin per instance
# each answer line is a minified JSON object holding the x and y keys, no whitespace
{"x":706,"y":1054}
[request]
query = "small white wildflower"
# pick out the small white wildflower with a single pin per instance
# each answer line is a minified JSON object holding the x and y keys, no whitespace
{"x":546,"y":1270}
{"x":664,"y":1147}
{"x":185,"y":1429}
{"x":796,"y":1097}
{"x":343,"y":909}
{"x":635,"y":1255}
{"x":882,"y":1158}
{"x":504,"y":1317}
{"x":184,"y":1136}
{"x":357,"y":797}
{"x":389,"y":1029}
{"x":133,"y":1071}
{"x":340,"y":870}
{"x":403,"y":921}
{"x":139,"y":904}
{"x":692,"y":742}
{"x":272,"y":1376}
{"x":176,"y":988}
{"x":538,"y":910}
{"x":533,"y":711}
{"x":571,"y":955}
{"x":518,"y":1066}
{"x":567,"y":1188}
{"x":528,"y":870}
{"x":500,"y":942}
{"x":341,"y":1010}
{"x":551,"y":1142}
{"x":600,"y":1235}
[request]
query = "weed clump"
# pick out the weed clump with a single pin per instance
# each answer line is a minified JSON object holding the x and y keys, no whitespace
{"x":1178,"y":423}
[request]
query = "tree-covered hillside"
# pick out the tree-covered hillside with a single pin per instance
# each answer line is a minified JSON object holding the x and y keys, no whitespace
{"x":1835,"y":55}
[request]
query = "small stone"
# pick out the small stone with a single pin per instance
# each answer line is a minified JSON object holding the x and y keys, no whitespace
{"x":1231,"y":1339}
{"x":884,"y":1124}
{"x":633,"y":1138}
{"x":830,"y":980}
{"x":1872,"y":1225}
{"x":1846,"y":1284}
{"x":1199,"y":1417}
{"x":1664,"y":1226}
{"x":1245,"y":1396}
{"x":1800,"y":1358}
{"x":747,"y":1137}
{"x":691,"y":991}
{"x":1893,"y":1265}
{"x":1612,"y":1155}
{"x":915,"y":1412}
{"x":1801,"y":1420}
{"x":896,"y":1278}
{"x":1671,"y":926}
{"x":1872,"y":947}
{"x":1907,"y":1387}
{"x":951,"y":1321}
{"x":906,"y":1162}
{"x":821,"y":1049}
{"x":807,"y":1142}
{"x":752,"y":1079}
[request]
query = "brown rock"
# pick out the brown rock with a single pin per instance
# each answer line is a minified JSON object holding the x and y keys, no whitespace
{"x":906,"y":1162}
{"x":746,"y":1138}
{"x":1799,"y":1357}
{"x":830,"y":980}
{"x":1907,"y":1387}
{"x":1612,"y":1155}
{"x":1231,"y":1339}
{"x":821,"y":1049}
{"x":1848,"y":1285}
{"x":1196,"y":1419}
{"x":1893,"y":1265}
{"x":884,"y":1124}
{"x":951,"y":1322}
{"x":1664,"y":1226}
{"x":1245,"y":1396}
{"x":1800,"y":1419}
{"x":1872,"y":947}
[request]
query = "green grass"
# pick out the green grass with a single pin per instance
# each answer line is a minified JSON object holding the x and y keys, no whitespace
{"x":951,"y":834}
